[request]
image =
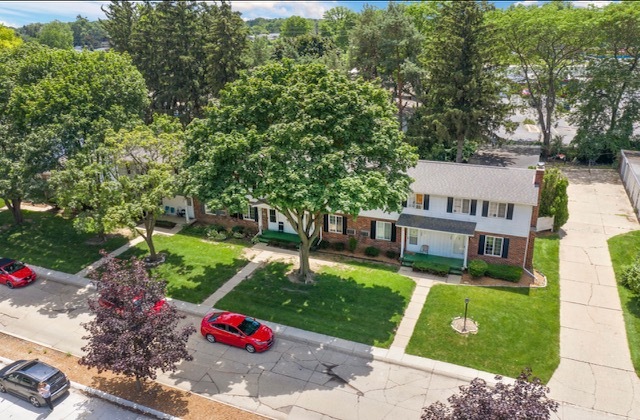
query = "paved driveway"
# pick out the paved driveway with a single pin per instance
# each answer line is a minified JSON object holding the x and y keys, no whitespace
{"x":595,"y":369}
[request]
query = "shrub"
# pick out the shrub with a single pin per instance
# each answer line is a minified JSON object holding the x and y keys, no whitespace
{"x":554,"y":200}
{"x":238,"y":229}
{"x":371,"y":251}
{"x":630,"y":277}
{"x":391,"y":254}
{"x":339,"y":246}
{"x":528,"y":121}
{"x":238,"y":235}
{"x":352,"y":244}
{"x":431,"y":267}
{"x":504,"y":272}
{"x":477,"y":268}
{"x":324,"y":244}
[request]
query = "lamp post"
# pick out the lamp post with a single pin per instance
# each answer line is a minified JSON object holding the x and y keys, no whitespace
{"x":466,"y":304}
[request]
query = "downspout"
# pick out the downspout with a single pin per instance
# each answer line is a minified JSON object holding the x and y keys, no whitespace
{"x":466,"y":252}
{"x":526,"y":251}
{"x":402,"y":229}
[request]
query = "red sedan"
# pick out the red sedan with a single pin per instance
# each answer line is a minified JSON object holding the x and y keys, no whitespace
{"x":15,"y":274}
{"x":236,"y":330}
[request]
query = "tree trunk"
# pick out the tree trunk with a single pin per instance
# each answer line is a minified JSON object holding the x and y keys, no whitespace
{"x":304,"y":272}
{"x":138,"y":384}
{"x":149,"y":225}
{"x":14,"y":206}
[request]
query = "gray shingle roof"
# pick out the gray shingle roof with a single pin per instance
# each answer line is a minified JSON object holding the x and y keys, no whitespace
{"x":511,"y":185}
{"x":434,"y":223}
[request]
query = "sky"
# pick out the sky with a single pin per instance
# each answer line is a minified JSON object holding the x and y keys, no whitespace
{"x":19,"y":13}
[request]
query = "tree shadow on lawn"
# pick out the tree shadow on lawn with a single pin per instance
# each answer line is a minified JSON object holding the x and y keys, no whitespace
{"x":335,"y":306}
{"x":181,"y":284}
{"x":49,"y":240}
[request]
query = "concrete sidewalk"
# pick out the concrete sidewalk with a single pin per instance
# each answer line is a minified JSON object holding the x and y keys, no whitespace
{"x":595,"y":370}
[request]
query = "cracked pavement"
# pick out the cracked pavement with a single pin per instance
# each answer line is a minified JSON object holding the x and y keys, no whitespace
{"x":290,"y":381}
{"x":595,"y":369}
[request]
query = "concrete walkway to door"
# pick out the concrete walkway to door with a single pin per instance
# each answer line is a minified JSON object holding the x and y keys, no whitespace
{"x":595,"y":369}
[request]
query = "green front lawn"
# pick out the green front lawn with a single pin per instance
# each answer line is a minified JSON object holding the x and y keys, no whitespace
{"x":194,"y":268}
{"x":517,"y":327}
{"x":358,"y":302}
{"x":50,"y":241}
{"x":623,"y":250}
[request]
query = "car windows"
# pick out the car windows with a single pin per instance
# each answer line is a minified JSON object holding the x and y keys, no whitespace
{"x":13,"y":267}
{"x":222,"y":327}
{"x":14,"y":377}
{"x":249,"y":326}
{"x":233,"y":330}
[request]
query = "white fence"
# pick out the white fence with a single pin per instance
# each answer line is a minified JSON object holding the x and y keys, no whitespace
{"x":628,"y":161}
{"x":544,"y":223}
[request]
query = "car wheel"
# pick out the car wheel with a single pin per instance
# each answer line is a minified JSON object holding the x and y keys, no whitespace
{"x":10,"y":285}
{"x":210,"y":338}
{"x":34,"y":401}
{"x":2,"y":388}
{"x":250,"y":348}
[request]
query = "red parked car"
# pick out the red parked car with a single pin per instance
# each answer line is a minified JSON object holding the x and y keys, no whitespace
{"x":118,"y":305}
{"x":15,"y":273}
{"x":236,"y":330}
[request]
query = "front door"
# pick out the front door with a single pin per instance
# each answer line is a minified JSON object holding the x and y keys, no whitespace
{"x":458,"y":244}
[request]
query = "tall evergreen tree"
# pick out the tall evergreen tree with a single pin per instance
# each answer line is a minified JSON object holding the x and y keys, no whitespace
{"x":463,"y":101}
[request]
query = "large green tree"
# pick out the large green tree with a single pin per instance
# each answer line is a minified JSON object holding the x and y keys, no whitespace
{"x":295,"y":26}
{"x":463,"y":100}
{"x":9,"y":38}
{"x":307,"y":140}
{"x":607,"y":103}
{"x":145,"y":163}
{"x":337,"y":24}
{"x":385,"y":43}
{"x":56,"y":34}
{"x":186,"y":50}
{"x":544,"y":41}
{"x":52,"y":102}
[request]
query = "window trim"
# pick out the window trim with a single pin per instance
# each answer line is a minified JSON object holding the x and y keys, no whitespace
{"x":380,"y":229}
{"x":415,"y":203}
{"x":274,"y":213}
{"x":497,"y":215}
{"x":492,"y":239}
{"x":409,"y":236}
{"x":338,"y":224}
{"x":459,"y":202}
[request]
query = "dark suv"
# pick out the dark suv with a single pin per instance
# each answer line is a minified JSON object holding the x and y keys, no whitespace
{"x":21,"y":378}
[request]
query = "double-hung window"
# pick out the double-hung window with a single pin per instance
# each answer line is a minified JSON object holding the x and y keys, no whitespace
{"x":417,"y":201}
{"x":461,"y":205}
{"x":383,"y":231}
{"x":497,"y":210}
{"x":272,"y":216}
{"x":493,"y":246}
{"x":413,"y":236}
{"x":248,"y":213}
{"x":335,"y":223}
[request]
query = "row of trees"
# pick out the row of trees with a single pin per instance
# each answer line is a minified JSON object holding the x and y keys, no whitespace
{"x":80,"y":33}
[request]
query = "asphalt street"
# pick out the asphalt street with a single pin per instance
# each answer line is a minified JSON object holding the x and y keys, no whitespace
{"x":291,"y":380}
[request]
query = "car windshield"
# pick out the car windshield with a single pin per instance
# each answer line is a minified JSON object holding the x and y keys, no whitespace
{"x":249,"y":326}
{"x":13,"y":267}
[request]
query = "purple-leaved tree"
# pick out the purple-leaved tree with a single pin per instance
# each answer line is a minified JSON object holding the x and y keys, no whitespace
{"x":135,"y":331}
{"x":525,"y":399}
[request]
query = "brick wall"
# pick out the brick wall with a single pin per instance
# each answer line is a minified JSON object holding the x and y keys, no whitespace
{"x":251,"y":226}
{"x":360,"y":224}
{"x":516,"y":255}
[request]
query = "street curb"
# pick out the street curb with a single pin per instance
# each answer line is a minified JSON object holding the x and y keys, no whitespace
{"x":103,"y":395}
{"x":398,"y":358}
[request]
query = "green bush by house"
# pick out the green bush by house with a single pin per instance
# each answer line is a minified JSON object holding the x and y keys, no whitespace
{"x":504,"y":272}
{"x":477,"y":268}
{"x":431,"y":267}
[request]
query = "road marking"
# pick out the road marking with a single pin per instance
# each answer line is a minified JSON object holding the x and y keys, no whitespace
{"x":532,"y":128}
